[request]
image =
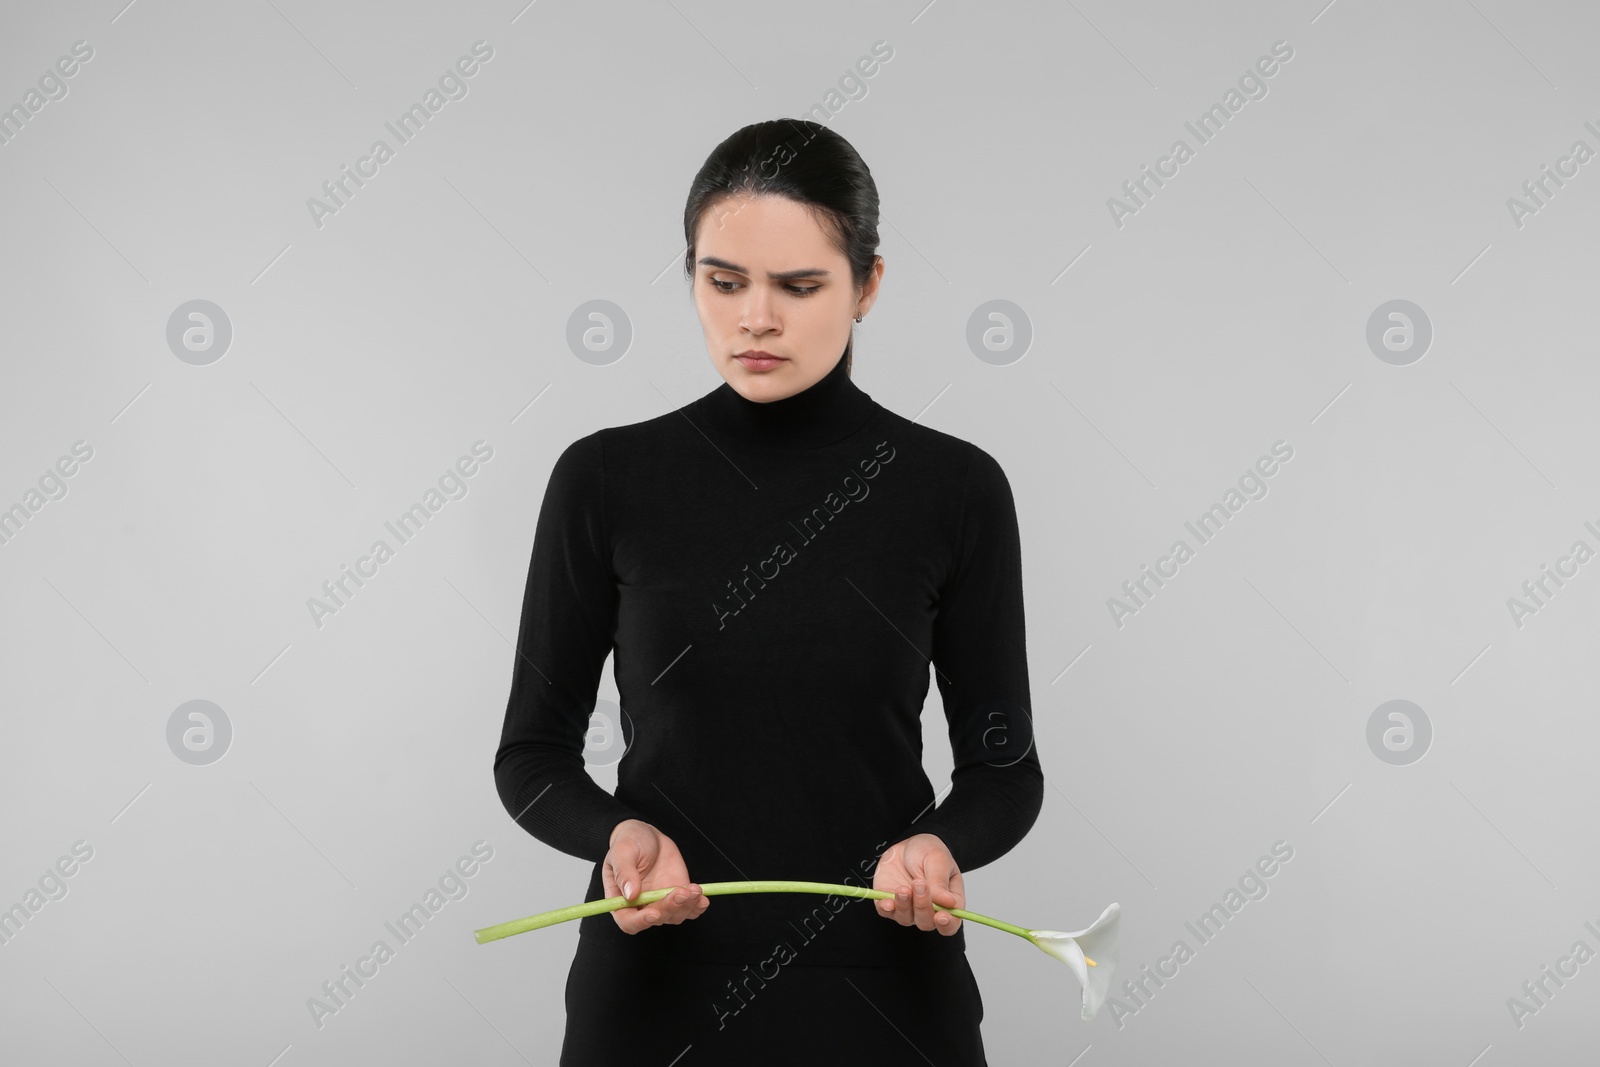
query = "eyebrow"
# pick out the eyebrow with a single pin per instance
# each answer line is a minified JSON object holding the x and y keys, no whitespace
{"x":779,"y":276}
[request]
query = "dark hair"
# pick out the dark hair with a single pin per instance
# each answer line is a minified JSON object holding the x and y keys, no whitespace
{"x":806,"y":162}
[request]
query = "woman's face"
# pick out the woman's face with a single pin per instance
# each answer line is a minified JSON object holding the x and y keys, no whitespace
{"x":768,"y":279}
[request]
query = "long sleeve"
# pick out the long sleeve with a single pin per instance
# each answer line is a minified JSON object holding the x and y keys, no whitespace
{"x":568,"y":617}
{"x":981,"y":667}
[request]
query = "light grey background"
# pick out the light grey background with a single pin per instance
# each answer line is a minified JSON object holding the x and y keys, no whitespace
{"x":1168,"y":355}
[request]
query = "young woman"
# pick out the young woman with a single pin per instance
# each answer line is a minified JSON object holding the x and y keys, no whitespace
{"x":775,"y":565}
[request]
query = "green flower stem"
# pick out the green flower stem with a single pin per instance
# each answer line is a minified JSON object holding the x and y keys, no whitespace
{"x":713,"y":889}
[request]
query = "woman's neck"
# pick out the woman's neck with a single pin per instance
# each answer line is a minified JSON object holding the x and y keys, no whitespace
{"x":828,"y":410}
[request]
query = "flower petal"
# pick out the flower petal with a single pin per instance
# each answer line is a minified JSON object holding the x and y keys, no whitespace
{"x":1099,"y":941}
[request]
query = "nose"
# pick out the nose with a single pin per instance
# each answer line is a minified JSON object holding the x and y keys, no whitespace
{"x":758,"y":314}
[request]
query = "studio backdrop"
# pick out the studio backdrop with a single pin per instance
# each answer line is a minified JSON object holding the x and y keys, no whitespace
{"x":1278,"y":317}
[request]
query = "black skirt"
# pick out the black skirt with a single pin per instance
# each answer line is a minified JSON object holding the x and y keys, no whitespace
{"x":625,"y":1008}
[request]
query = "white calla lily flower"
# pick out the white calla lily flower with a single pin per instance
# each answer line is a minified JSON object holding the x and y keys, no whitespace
{"x":1091,"y":953}
{"x":1097,"y":943}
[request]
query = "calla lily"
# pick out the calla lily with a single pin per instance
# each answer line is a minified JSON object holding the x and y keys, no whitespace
{"x":1094,"y":971}
{"x":1091,"y":952}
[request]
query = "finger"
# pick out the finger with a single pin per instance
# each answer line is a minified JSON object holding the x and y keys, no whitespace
{"x":622,"y":876}
{"x":884,"y":906}
{"x":608,"y":878}
{"x":646,"y":916}
{"x":680,"y":905}
{"x":941,"y":891}
{"x":945,"y":897}
{"x":922,"y":904}
{"x":624,"y":871}
{"x":663,"y":912}
{"x":630,"y":920}
{"x":893,"y":906}
{"x":902,"y":906}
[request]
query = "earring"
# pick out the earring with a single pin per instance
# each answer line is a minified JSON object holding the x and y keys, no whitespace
{"x":858,"y":318}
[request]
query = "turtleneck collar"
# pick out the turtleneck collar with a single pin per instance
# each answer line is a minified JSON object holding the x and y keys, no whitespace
{"x":829,"y":410}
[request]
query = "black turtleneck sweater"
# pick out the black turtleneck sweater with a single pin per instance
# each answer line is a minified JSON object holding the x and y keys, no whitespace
{"x":775,"y":579}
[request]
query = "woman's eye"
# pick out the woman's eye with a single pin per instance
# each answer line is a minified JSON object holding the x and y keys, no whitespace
{"x":798,"y":290}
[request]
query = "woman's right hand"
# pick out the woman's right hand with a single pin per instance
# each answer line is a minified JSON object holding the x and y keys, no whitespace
{"x":643,"y":858}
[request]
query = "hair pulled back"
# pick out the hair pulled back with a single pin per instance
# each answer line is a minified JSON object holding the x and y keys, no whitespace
{"x":806,"y":162}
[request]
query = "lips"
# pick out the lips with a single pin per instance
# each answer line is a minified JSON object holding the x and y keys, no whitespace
{"x":759,"y":362}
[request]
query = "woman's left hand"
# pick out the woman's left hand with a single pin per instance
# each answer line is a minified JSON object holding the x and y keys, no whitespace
{"x":921,"y":873}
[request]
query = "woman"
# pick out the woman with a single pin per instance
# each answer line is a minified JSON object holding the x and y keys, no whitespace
{"x":775,"y":565}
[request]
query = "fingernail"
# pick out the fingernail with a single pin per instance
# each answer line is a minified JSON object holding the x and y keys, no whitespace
{"x":922,"y":888}
{"x":627,"y":890}
{"x":693,"y":888}
{"x":679,"y":899}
